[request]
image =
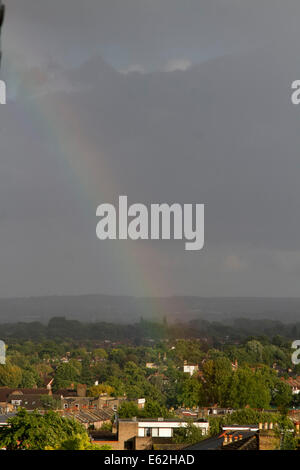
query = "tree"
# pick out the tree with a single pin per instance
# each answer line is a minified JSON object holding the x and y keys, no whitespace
{"x":189,"y":434}
{"x":136,"y":384}
{"x":86,"y":376}
{"x":29,"y":379}
{"x":65,"y":375}
{"x":153,"y":409}
{"x":288,"y":442}
{"x":10,"y":375}
{"x":33,"y":431}
{"x":188,"y":349}
{"x":117,"y":384}
{"x":248,"y":388}
{"x":97,"y":390}
{"x":133,"y":373}
{"x":217,"y":376}
{"x":79,"y":442}
{"x":255,"y":348}
{"x":128,"y":409}
{"x":100,"y":353}
{"x":50,"y":403}
{"x":191,"y":391}
{"x":283,"y":395}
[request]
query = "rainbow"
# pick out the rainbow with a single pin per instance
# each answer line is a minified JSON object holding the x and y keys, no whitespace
{"x":97,"y":180}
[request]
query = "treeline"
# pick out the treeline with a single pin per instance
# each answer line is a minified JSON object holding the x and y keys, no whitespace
{"x":60,"y":327}
{"x":233,"y":330}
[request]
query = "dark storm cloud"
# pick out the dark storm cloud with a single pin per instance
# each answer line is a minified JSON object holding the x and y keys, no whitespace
{"x":148,"y":32}
{"x":222,"y":132}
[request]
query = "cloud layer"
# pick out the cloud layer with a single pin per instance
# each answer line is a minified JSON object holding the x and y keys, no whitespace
{"x":189,"y":112}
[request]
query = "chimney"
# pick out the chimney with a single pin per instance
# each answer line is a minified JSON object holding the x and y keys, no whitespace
{"x":230,"y":437}
{"x":225,"y":439}
{"x":81,"y":390}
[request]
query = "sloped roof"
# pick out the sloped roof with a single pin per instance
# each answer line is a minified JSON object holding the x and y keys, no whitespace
{"x":6,"y":391}
{"x":90,"y":416}
{"x":248,"y":443}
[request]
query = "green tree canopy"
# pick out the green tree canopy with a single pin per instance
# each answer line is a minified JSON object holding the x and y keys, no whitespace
{"x":33,"y":431}
{"x":217,"y":376}
{"x":65,"y":375}
{"x":10,"y":375}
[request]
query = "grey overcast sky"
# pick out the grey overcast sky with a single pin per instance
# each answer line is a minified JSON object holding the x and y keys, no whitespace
{"x":164,"y":101}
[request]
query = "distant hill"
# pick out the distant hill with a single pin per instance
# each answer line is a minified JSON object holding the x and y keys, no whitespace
{"x":123,"y":309}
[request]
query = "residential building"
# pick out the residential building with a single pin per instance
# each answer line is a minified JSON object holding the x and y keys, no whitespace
{"x":190,"y":368}
{"x":4,"y":419}
{"x":294,"y":383}
{"x":12,"y":398}
{"x":91,"y":419}
{"x":143,"y":434}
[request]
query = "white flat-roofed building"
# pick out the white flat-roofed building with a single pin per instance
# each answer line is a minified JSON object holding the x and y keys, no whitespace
{"x":164,"y":428}
{"x":237,"y":427}
{"x":190,"y":368}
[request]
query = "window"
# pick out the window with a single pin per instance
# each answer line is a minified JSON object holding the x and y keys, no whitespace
{"x":154,"y":432}
{"x":16,"y":402}
{"x":128,"y":445}
{"x":147,"y":432}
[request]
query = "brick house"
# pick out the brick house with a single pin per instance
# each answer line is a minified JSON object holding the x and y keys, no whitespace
{"x":12,"y":398}
{"x":142,"y":434}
